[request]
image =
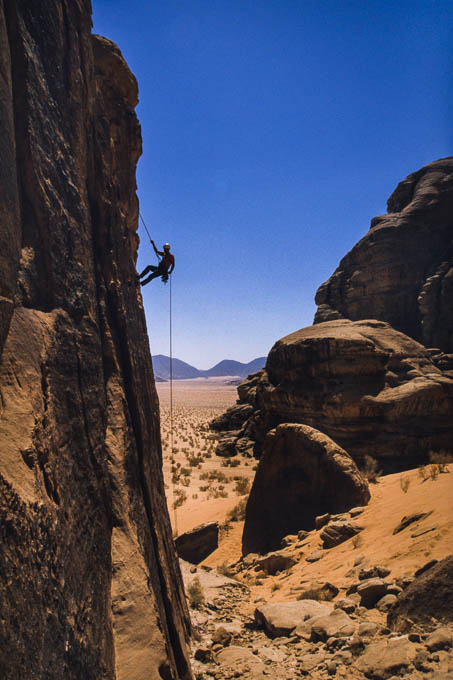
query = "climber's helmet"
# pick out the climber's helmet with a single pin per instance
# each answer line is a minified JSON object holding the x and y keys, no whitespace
{"x":166,"y":246}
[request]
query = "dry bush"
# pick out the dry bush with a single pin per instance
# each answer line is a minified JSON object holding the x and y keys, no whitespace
{"x":196,"y":593}
{"x":357,"y":541}
{"x":370,"y":469}
{"x":423,"y":473}
{"x":242,"y":486}
{"x":441,"y":459}
{"x":404,"y":484}
{"x":181,"y":498}
{"x":237,"y":513}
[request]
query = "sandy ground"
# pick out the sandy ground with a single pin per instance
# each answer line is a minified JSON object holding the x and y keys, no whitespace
{"x":203,"y":486}
{"x":394,"y":496}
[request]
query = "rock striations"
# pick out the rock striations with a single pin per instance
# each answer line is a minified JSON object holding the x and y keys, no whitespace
{"x":401,"y":271}
{"x":89,"y":578}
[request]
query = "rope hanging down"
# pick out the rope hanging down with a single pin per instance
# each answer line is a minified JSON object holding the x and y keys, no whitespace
{"x":175,"y":517}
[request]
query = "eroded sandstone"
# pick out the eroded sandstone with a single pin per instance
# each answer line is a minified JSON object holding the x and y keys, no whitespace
{"x":90,"y":582}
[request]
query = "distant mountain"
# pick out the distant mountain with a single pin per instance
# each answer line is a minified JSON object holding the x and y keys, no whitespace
{"x":181,"y":370}
{"x":184,"y":371}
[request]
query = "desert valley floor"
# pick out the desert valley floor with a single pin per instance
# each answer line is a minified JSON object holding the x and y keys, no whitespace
{"x":236,"y":635}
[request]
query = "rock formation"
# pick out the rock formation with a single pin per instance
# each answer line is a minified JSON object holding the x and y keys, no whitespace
{"x":429,"y":597}
{"x":373,"y":390}
{"x":89,"y":577}
{"x":195,"y":545}
{"x":401,"y":271}
{"x":301,"y":474}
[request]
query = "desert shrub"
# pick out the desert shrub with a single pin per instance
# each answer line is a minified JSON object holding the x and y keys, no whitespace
{"x":441,"y":459}
{"x":196,"y":593}
{"x":423,"y":473}
{"x":194,"y":495}
{"x":181,"y":498}
{"x":237,"y":513}
{"x":433,"y":471}
{"x":370,"y":469}
{"x":242,"y":486}
{"x":185,"y":481}
{"x":404,"y":484}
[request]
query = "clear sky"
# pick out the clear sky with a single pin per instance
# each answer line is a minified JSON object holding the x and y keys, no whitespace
{"x":273,"y":131}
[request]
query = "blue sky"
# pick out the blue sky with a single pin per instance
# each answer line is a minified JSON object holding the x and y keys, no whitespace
{"x":273,"y":131}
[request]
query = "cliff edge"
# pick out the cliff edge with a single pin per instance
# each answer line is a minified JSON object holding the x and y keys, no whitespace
{"x":89,"y":578}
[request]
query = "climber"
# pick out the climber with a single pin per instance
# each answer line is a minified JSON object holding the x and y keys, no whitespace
{"x":164,"y":268}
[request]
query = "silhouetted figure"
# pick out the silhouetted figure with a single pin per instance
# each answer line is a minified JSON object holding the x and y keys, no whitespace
{"x":163,"y":269}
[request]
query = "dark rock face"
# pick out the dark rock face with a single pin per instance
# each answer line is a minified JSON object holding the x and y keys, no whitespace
{"x":195,"y":545}
{"x":301,"y":474}
{"x":401,"y":271}
{"x":88,"y":573}
{"x":429,"y":595}
{"x":370,"y":388}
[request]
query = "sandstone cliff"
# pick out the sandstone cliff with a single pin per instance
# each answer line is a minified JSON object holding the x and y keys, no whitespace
{"x":401,"y":271}
{"x":373,"y":390}
{"x":89,"y":578}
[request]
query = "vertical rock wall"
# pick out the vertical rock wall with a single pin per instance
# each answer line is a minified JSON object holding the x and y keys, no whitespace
{"x":88,"y":574}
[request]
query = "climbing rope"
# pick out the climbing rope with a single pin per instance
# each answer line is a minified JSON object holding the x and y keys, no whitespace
{"x":175,"y":516}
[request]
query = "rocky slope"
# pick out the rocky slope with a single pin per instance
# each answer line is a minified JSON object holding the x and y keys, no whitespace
{"x":90,"y":583}
{"x":401,"y":271}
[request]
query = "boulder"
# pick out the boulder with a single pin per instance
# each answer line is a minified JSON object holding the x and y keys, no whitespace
{"x":441,"y":638}
{"x":338,"y":532}
{"x":318,"y":590}
{"x":195,"y":545}
{"x":335,"y":624}
{"x":429,"y":595}
{"x":371,"y":591}
{"x":386,"y":657}
{"x":401,"y":271}
{"x":301,"y":475}
{"x":233,"y":418}
{"x":274,"y":562}
{"x":282,"y":618}
{"x":226,"y":446}
{"x":242,"y":661}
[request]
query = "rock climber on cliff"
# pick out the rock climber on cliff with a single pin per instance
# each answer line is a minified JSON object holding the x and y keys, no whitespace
{"x":163,"y":269}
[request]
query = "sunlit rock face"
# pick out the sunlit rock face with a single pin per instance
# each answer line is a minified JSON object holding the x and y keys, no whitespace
{"x":89,"y":578}
{"x":373,"y":390}
{"x":401,"y":271}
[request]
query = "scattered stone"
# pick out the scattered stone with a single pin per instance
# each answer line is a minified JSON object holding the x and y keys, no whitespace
{"x":386,"y":602}
{"x":275,"y":562}
{"x":335,"y":624}
{"x":314,"y":556}
{"x":289,"y":540}
{"x":338,"y":532}
{"x":241,"y":660}
{"x":410,"y":519}
{"x":302,"y":534}
{"x":195,"y":545}
{"x":373,"y":572}
{"x":371,"y":591}
{"x":331,"y":667}
{"x":354,"y":512}
{"x":442,"y":638}
{"x":346,"y":604}
{"x":393,"y":589}
{"x":322,"y":520}
{"x":367,"y":628}
{"x":318,"y":590}
{"x":358,"y":560}
{"x":202,"y":654}
{"x":381,"y":659}
{"x":282,"y":618}
{"x":221,"y":636}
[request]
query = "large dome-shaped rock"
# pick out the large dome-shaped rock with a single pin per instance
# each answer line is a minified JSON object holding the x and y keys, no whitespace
{"x":301,"y":475}
{"x":89,"y":579}
{"x":401,"y":271}
{"x":372,"y":389}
